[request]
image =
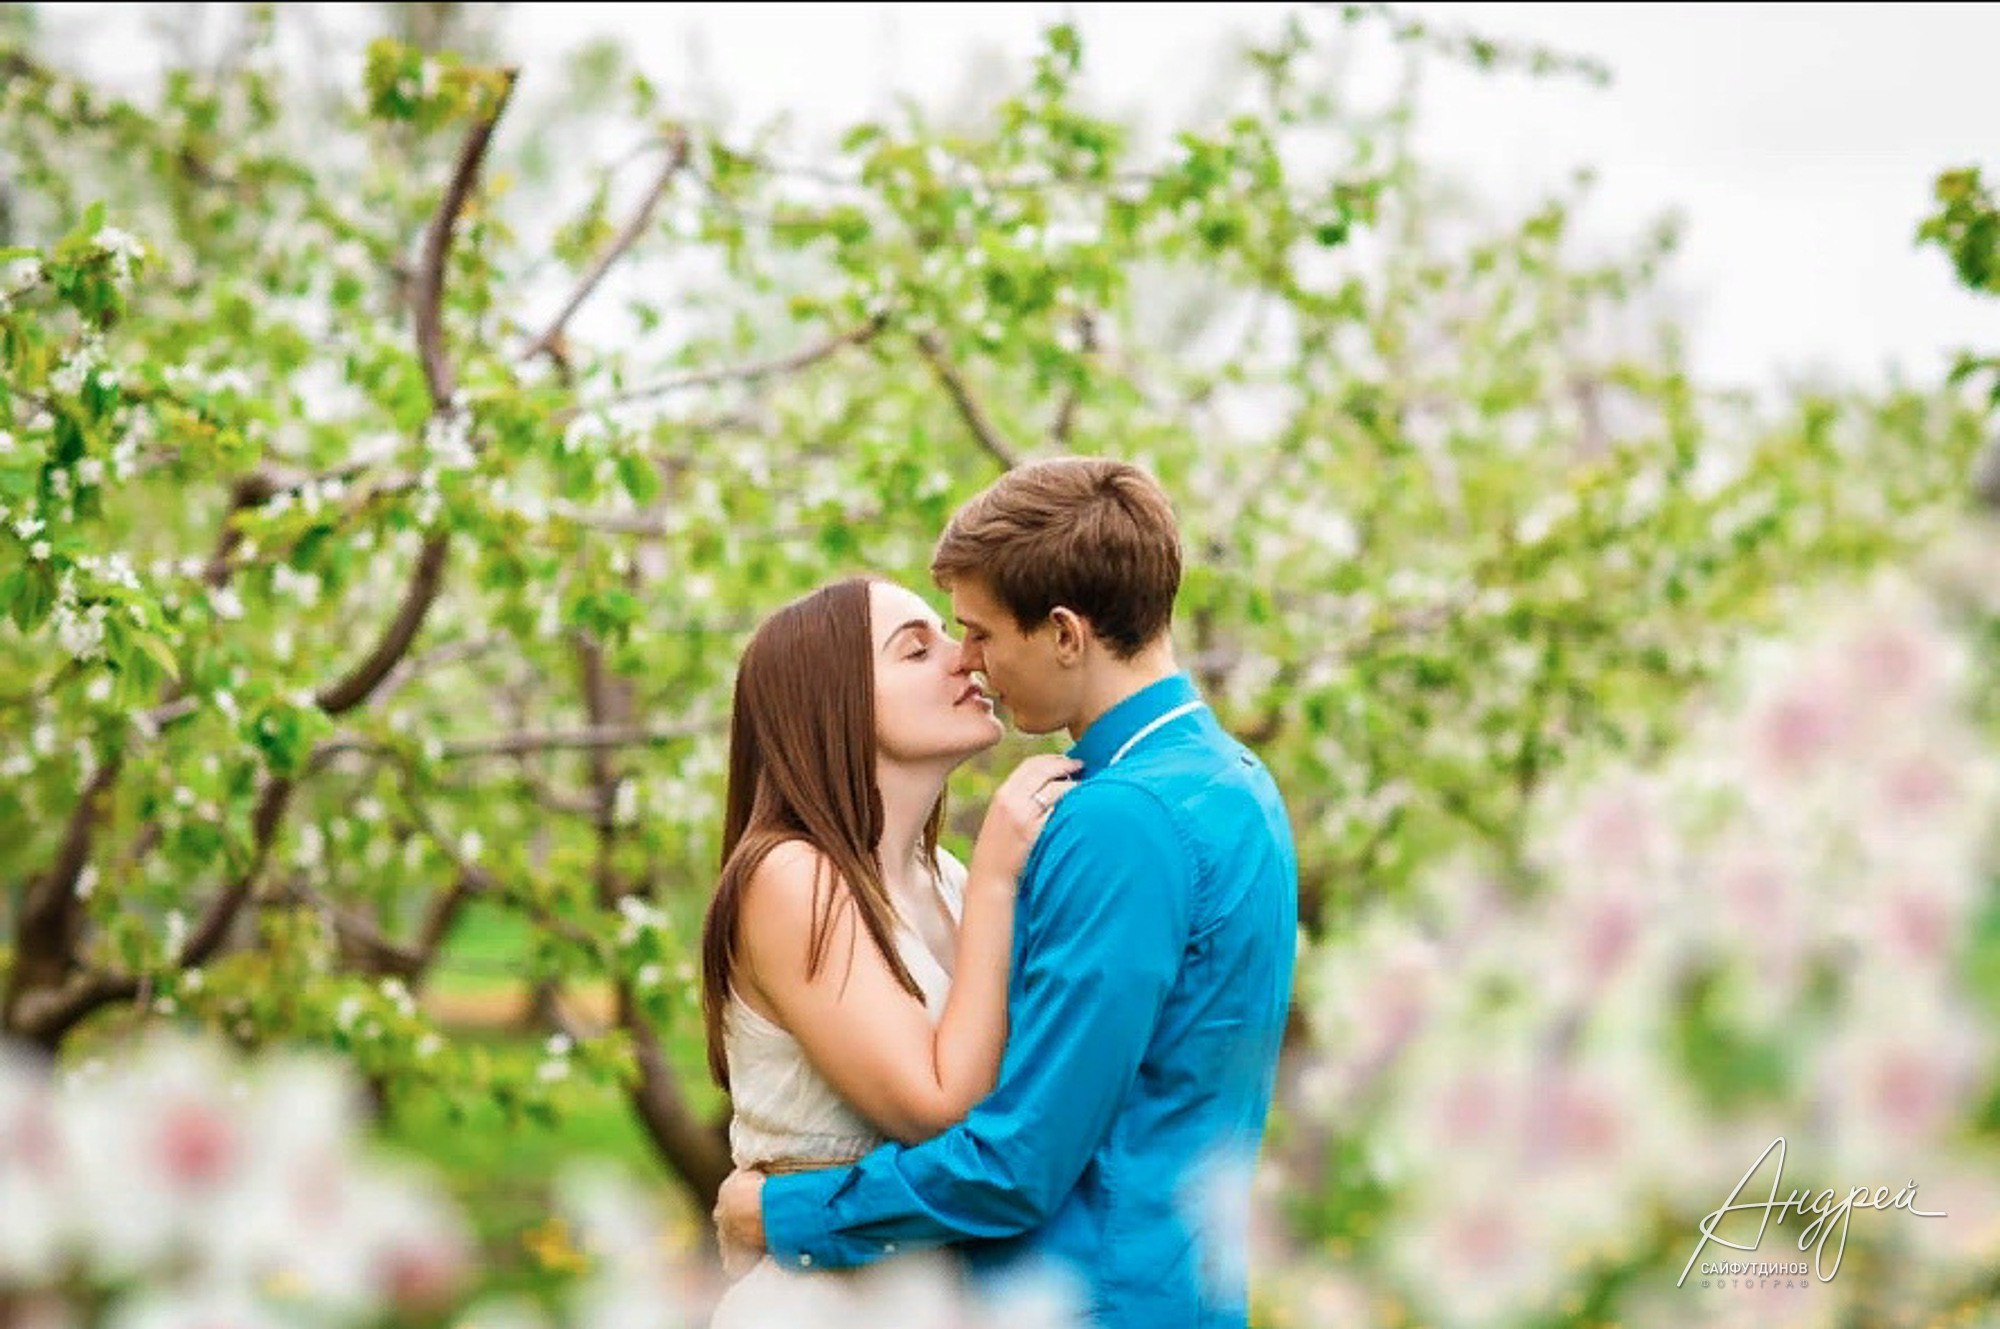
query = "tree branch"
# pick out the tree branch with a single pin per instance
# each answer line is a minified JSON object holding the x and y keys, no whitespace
{"x":429,"y":292}
{"x":756,"y":370}
{"x":649,"y":526}
{"x":679,"y":148}
{"x":515,"y":744}
{"x":698,"y":1151}
{"x":472,"y":879}
{"x":209,"y":934}
{"x":356,"y":687}
{"x":49,"y":1012}
{"x":343,"y":696}
{"x":46,"y":1015}
{"x":444,"y":911}
{"x":383,"y":955}
{"x":52,"y":916}
{"x":248,"y":492}
{"x":409,"y":961}
{"x":969,"y":410}
{"x":450,"y":653}
{"x":1065,"y":421}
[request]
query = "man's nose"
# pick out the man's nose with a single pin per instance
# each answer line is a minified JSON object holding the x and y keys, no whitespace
{"x":962,"y":660}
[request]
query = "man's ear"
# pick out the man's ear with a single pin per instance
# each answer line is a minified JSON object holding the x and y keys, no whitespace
{"x":1073,"y":635}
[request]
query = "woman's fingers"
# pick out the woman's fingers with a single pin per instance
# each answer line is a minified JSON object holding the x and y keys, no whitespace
{"x":1020,"y":806}
{"x":1048,"y":794}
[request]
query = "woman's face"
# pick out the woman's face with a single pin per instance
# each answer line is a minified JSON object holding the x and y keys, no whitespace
{"x":926,"y":708}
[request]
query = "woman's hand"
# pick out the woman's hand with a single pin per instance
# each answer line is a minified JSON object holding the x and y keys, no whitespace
{"x":1019,"y":809}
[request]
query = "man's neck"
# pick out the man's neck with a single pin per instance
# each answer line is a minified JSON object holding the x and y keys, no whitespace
{"x":1117,"y":680}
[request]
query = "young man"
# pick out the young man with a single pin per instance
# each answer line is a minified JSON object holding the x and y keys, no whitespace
{"x":1154,"y":939}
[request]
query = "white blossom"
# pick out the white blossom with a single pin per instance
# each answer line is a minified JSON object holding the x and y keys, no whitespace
{"x":122,"y":247}
{"x":226,"y":603}
{"x":74,"y":370}
{"x":80,"y":634}
{"x":302,"y":588}
{"x":399,"y":996}
{"x":448,"y":438}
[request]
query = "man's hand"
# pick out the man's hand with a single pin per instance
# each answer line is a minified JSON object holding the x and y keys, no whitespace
{"x":739,"y":1221}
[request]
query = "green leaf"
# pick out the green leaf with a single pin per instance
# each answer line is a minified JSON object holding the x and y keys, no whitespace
{"x":159,"y":652}
{"x":640,"y":477}
{"x":35,"y":597}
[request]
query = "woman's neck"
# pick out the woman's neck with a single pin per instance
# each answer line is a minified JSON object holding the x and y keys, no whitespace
{"x":908,"y":795}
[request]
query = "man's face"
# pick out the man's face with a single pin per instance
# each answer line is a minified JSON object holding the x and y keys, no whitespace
{"x":1020,"y":668}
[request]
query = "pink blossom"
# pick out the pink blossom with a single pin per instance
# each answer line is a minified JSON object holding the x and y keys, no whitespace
{"x":1799,"y":729}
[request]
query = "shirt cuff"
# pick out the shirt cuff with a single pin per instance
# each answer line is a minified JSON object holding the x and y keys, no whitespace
{"x":798,"y":1227}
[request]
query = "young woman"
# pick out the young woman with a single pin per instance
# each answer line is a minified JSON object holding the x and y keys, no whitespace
{"x":854,"y":974}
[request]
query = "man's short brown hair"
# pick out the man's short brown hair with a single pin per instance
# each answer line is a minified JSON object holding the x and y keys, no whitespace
{"x":1088,"y":534}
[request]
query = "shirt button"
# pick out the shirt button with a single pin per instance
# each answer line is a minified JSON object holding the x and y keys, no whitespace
{"x":805,"y":1261}
{"x":889,"y":1249}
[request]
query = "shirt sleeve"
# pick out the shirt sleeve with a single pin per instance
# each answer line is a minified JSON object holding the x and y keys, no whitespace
{"x":1099,"y":932}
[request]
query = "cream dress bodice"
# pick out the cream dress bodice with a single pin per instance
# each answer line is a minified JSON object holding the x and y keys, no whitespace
{"x":784,"y":1111}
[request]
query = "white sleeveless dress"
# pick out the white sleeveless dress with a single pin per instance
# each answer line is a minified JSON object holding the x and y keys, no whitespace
{"x":785,"y":1112}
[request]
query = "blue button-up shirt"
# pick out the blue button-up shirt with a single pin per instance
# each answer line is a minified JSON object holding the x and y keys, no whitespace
{"x":1153,"y":943}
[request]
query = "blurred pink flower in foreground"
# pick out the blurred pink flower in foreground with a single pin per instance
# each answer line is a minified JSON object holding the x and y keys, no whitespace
{"x":1760,"y":935}
{"x":196,"y":1190}
{"x":225,"y":1191}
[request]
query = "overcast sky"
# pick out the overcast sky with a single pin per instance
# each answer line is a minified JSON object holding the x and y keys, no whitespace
{"x":1798,"y":141}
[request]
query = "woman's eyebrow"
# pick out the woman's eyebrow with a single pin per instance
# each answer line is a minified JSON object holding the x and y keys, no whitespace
{"x":920,"y":624}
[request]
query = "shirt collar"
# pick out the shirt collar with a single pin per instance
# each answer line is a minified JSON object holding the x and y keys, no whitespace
{"x":1110,"y":730}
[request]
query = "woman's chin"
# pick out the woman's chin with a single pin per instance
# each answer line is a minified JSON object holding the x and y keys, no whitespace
{"x":994,"y":732}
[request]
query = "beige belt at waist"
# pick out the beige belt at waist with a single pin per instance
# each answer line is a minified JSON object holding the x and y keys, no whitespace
{"x":772,"y":1167}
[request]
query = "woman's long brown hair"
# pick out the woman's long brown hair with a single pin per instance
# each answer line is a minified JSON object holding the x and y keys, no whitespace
{"x":802,"y":767}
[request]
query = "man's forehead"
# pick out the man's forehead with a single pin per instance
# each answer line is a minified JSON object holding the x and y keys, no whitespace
{"x":969,"y":601}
